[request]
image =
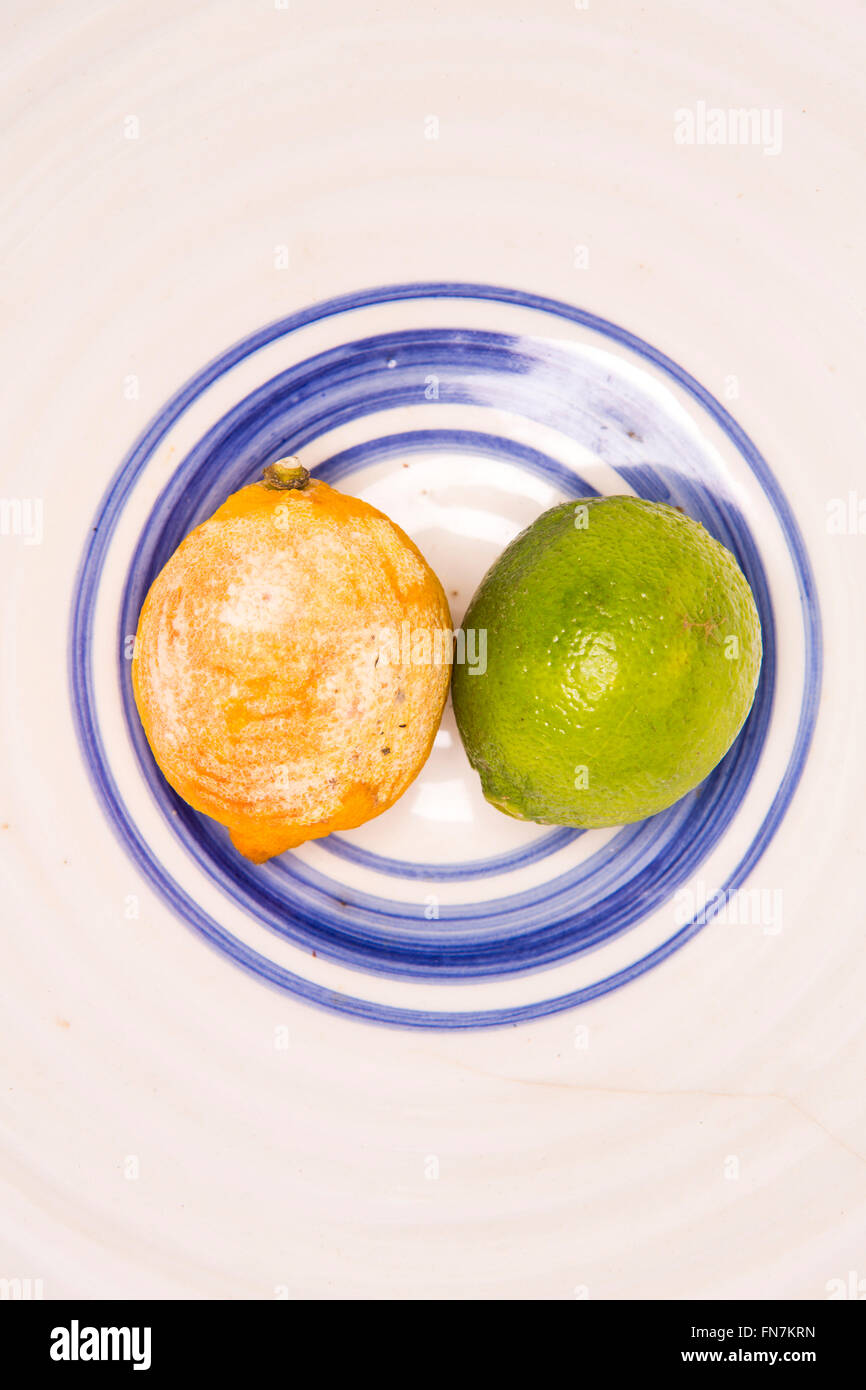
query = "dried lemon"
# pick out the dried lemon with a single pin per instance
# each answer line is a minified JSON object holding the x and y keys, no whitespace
{"x":271,"y":671}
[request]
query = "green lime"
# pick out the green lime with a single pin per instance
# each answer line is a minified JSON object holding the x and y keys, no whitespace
{"x":623,"y":648}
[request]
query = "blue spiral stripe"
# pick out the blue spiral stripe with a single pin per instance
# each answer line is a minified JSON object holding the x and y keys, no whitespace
{"x":519,"y":932}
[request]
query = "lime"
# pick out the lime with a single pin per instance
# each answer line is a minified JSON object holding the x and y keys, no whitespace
{"x":623,"y":648}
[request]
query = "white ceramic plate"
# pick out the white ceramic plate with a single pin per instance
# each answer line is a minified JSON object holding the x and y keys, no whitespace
{"x":463,"y":284}
{"x":462,"y":411}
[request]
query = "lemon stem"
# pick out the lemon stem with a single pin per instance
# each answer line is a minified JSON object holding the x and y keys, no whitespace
{"x":285,"y":473}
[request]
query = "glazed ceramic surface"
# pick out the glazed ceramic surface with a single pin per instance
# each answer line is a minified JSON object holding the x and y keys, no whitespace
{"x":465,"y":271}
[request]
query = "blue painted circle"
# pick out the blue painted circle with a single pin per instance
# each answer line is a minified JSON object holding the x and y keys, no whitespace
{"x":577,"y":909}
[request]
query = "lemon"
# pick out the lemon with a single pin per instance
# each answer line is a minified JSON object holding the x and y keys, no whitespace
{"x":265,"y":684}
{"x":623,"y":652}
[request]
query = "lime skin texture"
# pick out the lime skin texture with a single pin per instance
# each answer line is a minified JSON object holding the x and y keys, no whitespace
{"x":623,"y":654}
